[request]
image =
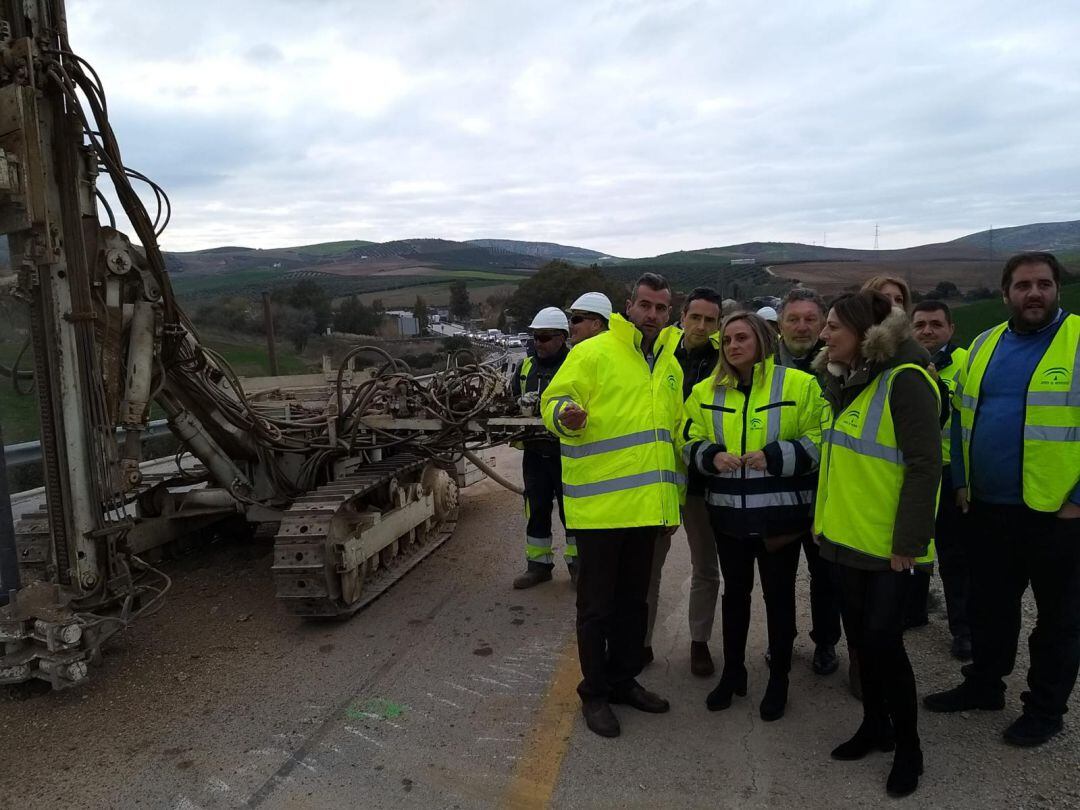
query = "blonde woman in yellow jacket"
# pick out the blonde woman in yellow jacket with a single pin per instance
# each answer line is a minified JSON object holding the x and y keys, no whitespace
{"x":752,"y":430}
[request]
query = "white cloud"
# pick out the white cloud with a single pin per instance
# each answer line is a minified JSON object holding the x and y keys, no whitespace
{"x":632,"y":128}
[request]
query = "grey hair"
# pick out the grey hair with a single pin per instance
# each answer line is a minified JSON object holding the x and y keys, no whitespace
{"x":803,"y":294}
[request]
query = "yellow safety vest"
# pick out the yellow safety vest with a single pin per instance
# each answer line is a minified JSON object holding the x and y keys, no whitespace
{"x":949,"y":376}
{"x":621,"y":469}
{"x":862,"y":471}
{"x":1051,"y":448}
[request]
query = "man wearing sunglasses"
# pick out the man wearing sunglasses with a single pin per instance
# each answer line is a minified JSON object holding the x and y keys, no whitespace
{"x":589,"y":316}
{"x":541,"y":468}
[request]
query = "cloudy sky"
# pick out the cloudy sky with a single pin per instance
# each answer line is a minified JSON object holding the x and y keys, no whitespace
{"x":633,"y":128}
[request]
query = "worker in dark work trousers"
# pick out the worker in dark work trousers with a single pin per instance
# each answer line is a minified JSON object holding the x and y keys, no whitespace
{"x":541,"y":468}
{"x":1016,"y":469}
{"x":697,"y":350}
{"x":932,"y":326}
{"x":802,"y":317}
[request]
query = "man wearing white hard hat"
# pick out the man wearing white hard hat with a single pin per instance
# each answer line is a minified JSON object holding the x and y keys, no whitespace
{"x":541,"y":467}
{"x":769,"y":314}
{"x":589,"y":316}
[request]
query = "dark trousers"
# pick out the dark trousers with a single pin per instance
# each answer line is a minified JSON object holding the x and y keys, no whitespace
{"x":777,"y":570}
{"x":952,"y":542}
{"x":542,"y":475}
{"x":614,"y":566}
{"x":824,"y":594}
{"x":873,"y":603}
{"x":951,"y":545}
{"x":1018,"y":546}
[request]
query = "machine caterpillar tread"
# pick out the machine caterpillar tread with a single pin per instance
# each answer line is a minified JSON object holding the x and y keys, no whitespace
{"x":341,"y":546}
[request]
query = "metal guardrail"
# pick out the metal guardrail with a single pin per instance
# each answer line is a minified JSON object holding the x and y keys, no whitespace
{"x":26,"y":453}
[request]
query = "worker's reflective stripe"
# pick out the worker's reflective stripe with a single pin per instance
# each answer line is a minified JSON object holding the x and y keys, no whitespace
{"x":967,"y":402}
{"x":772,"y":416}
{"x":762,"y":500}
{"x":787,"y":453}
{"x":699,"y":456}
{"x":538,"y":549}
{"x":718,"y":415}
{"x":811,"y":449}
{"x":1045,"y":433}
{"x":560,"y":405}
{"x":871,"y":420}
{"x":965,"y":434}
{"x":623,"y":483}
{"x":1053,"y":398}
{"x":616,"y":443}
{"x":978,"y":343}
{"x":863,"y":447}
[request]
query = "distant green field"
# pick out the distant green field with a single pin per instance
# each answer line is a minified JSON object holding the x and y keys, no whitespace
{"x":226,"y":283}
{"x":973,"y":319}
{"x":331,"y":248}
{"x":252,"y":360}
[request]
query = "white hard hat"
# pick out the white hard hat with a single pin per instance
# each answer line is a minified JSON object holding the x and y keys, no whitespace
{"x":768,"y":314}
{"x":594,"y":302}
{"x":550,"y":318}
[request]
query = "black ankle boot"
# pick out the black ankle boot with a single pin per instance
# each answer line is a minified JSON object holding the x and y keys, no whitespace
{"x":731,"y":683}
{"x":906,"y":770}
{"x":870,"y":737}
{"x":775,"y":700}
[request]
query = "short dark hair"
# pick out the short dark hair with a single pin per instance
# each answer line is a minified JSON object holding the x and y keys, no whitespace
{"x":1030,"y":257}
{"x":703,"y":294}
{"x":803,"y":294}
{"x":654,"y":281}
{"x":932,"y":305}
{"x":859,"y":311}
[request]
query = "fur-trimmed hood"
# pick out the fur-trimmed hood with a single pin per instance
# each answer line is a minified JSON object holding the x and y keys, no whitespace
{"x":886,"y":344}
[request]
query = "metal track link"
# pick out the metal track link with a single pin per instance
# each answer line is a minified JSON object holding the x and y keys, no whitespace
{"x":308,"y":572}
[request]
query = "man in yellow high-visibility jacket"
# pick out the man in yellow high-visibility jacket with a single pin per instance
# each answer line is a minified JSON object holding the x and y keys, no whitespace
{"x":1016,"y":466}
{"x":616,"y":406}
{"x":933,"y":327}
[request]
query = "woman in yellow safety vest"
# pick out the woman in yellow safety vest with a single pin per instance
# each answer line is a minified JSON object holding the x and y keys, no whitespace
{"x":752,"y":430}
{"x":874,"y":516}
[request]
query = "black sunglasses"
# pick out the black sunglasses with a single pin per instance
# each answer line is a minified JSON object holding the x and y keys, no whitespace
{"x":544,"y":338}
{"x":576,"y":319}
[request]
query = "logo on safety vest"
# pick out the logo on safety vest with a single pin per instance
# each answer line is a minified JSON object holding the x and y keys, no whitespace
{"x":671,"y":381}
{"x":756,"y":423}
{"x":851,"y":419}
{"x":1056,"y":376}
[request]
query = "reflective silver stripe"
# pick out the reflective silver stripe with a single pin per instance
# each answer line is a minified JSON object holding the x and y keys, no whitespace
{"x":560,"y":404}
{"x":967,"y":402}
{"x":965,"y":434}
{"x":864,"y":447}
{"x":776,"y":393}
{"x":787,"y":452}
{"x":616,"y":443}
{"x":978,"y":344}
{"x":623,"y":483}
{"x":764,"y":500}
{"x":688,"y":453}
{"x":699,"y":457}
{"x":1054,"y":398}
{"x":718,"y":416}
{"x":875,"y":411}
{"x":1043,"y":433}
{"x":811,"y":449}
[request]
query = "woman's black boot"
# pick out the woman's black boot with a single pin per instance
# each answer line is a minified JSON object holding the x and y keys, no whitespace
{"x":870,"y":737}
{"x":731,"y":683}
{"x":775,"y":700}
{"x":906,"y":770}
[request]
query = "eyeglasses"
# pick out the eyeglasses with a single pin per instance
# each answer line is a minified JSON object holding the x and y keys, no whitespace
{"x":576,"y":319}
{"x":544,"y":338}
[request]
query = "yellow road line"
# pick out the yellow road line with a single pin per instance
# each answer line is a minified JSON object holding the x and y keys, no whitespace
{"x":538,"y":767}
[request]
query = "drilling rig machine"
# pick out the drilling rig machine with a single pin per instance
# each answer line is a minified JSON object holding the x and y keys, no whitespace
{"x":348,"y":471}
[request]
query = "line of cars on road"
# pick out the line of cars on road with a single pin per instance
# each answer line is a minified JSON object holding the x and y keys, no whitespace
{"x":521,"y":340}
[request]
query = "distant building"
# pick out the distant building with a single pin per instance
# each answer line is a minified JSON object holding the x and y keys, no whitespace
{"x":403,"y":323}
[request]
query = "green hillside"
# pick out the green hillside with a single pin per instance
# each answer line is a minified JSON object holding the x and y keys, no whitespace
{"x":973,"y":319}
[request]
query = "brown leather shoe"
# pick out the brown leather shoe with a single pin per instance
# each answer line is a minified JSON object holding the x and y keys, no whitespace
{"x":701,"y":663}
{"x":638,"y":697}
{"x":600,"y":718}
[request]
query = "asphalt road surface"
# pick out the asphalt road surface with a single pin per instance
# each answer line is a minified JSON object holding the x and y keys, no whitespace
{"x":453,"y":690}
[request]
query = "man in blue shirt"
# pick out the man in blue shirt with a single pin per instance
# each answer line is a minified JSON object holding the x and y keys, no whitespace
{"x":1013,"y":545}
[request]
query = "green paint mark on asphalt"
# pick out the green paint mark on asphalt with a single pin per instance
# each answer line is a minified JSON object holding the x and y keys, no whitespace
{"x":386,"y":709}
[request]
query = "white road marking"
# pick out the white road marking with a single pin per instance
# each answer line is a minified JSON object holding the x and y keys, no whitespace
{"x":489,"y":680}
{"x":498,"y":739}
{"x":443,"y":700}
{"x":364,"y":736}
{"x":465,"y":689}
{"x":514,"y":672}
